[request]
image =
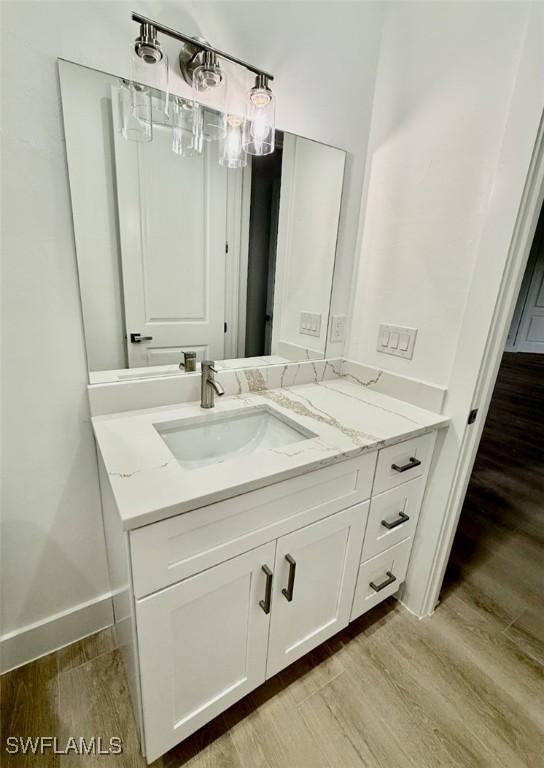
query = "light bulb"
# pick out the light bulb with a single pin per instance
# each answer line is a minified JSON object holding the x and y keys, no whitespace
{"x":187,"y":131}
{"x":232,"y":153}
{"x":259,"y":126}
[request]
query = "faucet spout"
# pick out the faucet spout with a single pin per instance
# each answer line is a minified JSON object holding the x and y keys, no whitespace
{"x":209,"y":386}
{"x":218,"y":388}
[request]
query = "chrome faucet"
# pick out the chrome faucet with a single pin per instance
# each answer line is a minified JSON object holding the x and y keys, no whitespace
{"x":209,"y":386}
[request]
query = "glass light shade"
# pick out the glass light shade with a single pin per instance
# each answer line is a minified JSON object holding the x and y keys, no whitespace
{"x":135,"y":106}
{"x":231,"y":152}
{"x":151,"y":73}
{"x":260,"y":124}
{"x":186,"y":128}
{"x":210,"y":92}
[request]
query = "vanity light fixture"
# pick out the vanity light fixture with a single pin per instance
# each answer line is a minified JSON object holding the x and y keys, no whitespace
{"x":259,"y":127}
{"x":200,"y":66}
{"x":209,"y":84}
{"x":148,"y":70}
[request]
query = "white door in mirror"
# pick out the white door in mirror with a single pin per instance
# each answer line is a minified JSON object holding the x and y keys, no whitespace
{"x":171,"y":210}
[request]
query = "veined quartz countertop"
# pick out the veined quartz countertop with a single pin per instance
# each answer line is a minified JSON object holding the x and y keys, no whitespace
{"x":149,"y":484}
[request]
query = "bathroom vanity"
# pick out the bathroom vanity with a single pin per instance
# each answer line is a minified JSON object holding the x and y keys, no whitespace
{"x":241,"y":538}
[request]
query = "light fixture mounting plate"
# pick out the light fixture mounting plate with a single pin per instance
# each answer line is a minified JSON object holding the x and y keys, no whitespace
{"x":191,"y":56}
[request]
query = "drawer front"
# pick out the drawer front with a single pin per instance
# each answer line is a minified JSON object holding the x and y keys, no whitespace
{"x":380,"y":577}
{"x":166,"y":552}
{"x":393,"y":517}
{"x":402,"y":462}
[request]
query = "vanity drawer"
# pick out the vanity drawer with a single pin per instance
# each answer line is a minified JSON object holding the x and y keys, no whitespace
{"x":402,"y":462}
{"x":393,"y":517}
{"x":166,"y":552}
{"x":380,"y":577}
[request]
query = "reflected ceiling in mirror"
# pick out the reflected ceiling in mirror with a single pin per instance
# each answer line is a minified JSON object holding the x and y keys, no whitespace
{"x":178,"y":253}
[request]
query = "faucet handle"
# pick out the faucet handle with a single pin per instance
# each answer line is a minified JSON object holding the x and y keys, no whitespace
{"x":210,"y":364}
{"x":188,"y":362}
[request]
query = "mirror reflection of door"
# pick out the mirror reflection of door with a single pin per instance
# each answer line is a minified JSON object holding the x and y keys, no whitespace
{"x":172,"y":220}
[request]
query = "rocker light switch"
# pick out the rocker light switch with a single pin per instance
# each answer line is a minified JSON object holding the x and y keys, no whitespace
{"x":310,"y":323}
{"x":396,"y":340}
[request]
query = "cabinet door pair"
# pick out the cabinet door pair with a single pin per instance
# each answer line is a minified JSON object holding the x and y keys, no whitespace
{"x":210,"y":639}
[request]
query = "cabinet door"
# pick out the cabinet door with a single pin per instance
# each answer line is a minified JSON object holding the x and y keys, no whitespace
{"x":202,"y":646}
{"x":314,"y":582}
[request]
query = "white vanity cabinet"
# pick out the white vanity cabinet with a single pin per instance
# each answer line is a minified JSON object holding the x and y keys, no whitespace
{"x":397,"y":493}
{"x":227,"y":595}
{"x":213,"y":637}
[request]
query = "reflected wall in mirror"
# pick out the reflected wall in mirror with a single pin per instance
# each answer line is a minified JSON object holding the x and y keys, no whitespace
{"x":177,"y":253}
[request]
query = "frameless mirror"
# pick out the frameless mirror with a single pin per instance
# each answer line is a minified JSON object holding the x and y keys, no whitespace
{"x":178,"y":253}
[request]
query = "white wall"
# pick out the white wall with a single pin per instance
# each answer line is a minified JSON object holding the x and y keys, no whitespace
{"x":53,"y":554}
{"x":443,"y":90}
{"x":474,"y":79}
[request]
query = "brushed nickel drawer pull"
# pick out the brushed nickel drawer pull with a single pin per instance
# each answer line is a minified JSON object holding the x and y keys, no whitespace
{"x":402,"y":518}
{"x":413,"y":462}
{"x":389,"y":580}
{"x":265,"y":604}
{"x":288,"y":593}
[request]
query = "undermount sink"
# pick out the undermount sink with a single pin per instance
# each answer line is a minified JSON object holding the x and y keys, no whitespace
{"x":215,"y":438}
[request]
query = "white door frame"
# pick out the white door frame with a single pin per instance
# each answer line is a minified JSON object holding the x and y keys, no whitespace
{"x":510,"y":225}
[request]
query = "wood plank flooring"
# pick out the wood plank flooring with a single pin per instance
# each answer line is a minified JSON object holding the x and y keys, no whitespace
{"x":464,"y":688}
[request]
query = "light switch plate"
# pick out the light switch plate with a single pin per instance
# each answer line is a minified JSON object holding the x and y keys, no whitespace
{"x":310,"y":323}
{"x":396,"y":340}
{"x":338,"y":328}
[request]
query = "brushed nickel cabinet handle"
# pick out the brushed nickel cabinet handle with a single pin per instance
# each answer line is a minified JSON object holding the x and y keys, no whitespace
{"x":389,"y":580}
{"x":288,"y":593}
{"x":402,"y":518}
{"x":265,"y":604}
{"x":413,"y":462}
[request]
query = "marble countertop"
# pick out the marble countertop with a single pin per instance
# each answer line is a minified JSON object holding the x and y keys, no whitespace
{"x":149,"y":484}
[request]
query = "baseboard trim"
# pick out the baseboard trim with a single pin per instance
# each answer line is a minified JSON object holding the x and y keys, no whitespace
{"x":55,"y":632}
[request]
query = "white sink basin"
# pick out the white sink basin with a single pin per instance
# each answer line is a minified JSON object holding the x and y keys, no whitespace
{"x":215,"y":438}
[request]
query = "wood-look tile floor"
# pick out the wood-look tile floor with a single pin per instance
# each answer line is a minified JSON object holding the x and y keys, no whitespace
{"x":464,"y":688}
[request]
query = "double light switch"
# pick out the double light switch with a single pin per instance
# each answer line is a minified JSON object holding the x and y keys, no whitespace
{"x":396,"y":340}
